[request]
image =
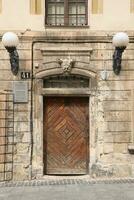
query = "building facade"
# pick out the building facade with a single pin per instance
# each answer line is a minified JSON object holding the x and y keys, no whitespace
{"x":66,"y":111}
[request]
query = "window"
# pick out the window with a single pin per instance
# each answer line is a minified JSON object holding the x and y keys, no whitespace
{"x":65,"y":81}
{"x":35,"y":7}
{"x":66,"y":12}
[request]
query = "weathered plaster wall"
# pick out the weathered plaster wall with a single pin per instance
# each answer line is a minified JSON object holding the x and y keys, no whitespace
{"x":116,"y":16}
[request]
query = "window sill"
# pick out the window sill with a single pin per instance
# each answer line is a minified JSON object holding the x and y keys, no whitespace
{"x":72,"y":27}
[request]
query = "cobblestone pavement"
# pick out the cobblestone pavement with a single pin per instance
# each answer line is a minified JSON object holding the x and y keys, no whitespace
{"x":69,"y":189}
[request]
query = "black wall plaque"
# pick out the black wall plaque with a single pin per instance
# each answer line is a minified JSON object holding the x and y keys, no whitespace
{"x":25,"y":75}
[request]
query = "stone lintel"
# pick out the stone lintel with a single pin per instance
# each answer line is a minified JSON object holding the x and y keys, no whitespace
{"x":66,"y":91}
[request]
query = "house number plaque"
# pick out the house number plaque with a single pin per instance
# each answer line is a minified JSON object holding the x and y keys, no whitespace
{"x":25,"y":75}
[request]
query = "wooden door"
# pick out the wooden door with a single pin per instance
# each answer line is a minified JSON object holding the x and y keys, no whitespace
{"x":66,"y":126}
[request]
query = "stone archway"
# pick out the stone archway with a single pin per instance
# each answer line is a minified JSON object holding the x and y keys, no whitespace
{"x":63,"y":67}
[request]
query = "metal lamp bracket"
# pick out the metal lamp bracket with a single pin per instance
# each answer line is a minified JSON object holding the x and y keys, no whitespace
{"x":14,"y":59}
{"x":117,"y":58}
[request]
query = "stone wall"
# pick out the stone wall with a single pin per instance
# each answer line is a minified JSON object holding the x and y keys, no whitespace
{"x":115,"y":116}
{"x":21,"y":151}
{"x":111,"y":104}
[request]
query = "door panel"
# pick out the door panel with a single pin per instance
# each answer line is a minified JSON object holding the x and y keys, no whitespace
{"x":66,"y":126}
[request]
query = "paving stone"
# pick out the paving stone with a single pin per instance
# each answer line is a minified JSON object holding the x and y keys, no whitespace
{"x":52,"y":182}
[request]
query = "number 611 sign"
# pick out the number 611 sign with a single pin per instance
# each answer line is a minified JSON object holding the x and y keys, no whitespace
{"x":25,"y":75}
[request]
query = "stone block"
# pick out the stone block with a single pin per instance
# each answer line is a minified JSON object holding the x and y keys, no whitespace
{"x":26,"y":137}
{"x":1,"y":168}
{"x":120,"y":148}
{"x":21,"y":116}
{"x":133,"y":170}
{"x":122,"y":170}
{"x":110,"y":94}
{"x":120,"y":86}
{"x":21,"y":159}
{"x":124,"y":75}
{"x":100,"y":149}
{"x":108,"y":148}
{"x":18,"y":137}
{"x":121,"y":158}
{"x":113,"y":158}
{"x":22,"y":148}
{"x":118,"y":126}
{"x":20,"y":172}
{"x":117,"y":105}
{"x":8,"y":166}
{"x":21,"y":126}
{"x":2,"y":176}
{"x":115,"y":171}
{"x":123,"y":137}
{"x":117,"y":116}
{"x":100,"y":170}
{"x":108,"y":137}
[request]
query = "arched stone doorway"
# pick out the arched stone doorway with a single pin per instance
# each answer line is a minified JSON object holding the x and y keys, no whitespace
{"x":65,"y":91}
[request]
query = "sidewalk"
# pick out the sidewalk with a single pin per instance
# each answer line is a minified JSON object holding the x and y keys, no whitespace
{"x":66,"y":180}
{"x":63,"y":188}
{"x":98,"y":191}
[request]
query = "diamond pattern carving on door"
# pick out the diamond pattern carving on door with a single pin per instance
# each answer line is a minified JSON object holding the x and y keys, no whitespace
{"x":66,"y":135}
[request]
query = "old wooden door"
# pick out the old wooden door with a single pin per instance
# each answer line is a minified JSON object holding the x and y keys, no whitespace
{"x":66,"y":126}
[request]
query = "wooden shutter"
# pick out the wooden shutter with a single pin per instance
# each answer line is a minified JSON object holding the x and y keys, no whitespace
{"x":35,"y":7}
{"x":97,"y":6}
{"x":131,"y":6}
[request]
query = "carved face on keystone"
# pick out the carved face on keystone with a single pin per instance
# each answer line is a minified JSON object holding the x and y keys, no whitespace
{"x":66,"y":65}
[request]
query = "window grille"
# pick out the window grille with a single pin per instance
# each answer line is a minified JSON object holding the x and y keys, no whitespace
{"x":6,"y":136}
{"x":65,"y":81}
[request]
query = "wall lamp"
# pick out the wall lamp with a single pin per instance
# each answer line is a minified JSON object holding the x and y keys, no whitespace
{"x":120,"y":41}
{"x":10,"y":41}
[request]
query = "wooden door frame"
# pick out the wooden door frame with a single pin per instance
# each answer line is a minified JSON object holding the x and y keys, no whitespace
{"x":38,"y":132}
{"x":41,"y":93}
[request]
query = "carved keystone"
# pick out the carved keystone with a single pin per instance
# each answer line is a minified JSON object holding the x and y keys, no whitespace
{"x":66,"y":64}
